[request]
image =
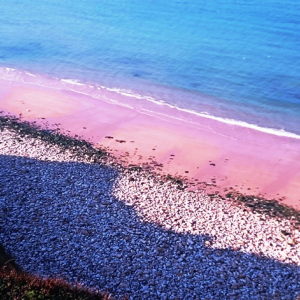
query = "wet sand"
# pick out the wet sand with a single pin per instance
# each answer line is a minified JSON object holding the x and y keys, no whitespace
{"x":227,"y":156}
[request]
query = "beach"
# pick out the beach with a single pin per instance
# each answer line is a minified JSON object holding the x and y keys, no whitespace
{"x":151,"y":149}
{"x":72,"y":212}
{"x":148,"y":207}
{"x":227,"y":157}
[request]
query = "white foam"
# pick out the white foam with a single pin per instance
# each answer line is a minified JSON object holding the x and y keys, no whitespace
{"x":278,"y":132}
{"x":30,"y":74}
{"x":10,"y":69}
{"x":79,"y":87}
{"x":273,"y":131}
{"x":72,"y":81}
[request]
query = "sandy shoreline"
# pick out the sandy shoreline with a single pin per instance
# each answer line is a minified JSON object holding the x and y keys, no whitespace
{"x":224,"y":155}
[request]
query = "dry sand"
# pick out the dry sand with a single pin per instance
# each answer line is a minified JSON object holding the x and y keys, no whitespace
{"x":249,"y":161}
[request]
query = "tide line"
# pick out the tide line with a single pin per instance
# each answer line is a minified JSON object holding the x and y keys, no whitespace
{"x":89,"y":90}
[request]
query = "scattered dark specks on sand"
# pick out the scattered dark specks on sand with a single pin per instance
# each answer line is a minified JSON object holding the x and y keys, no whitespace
{"x":161,"y":222}
{"x":109,"y":137}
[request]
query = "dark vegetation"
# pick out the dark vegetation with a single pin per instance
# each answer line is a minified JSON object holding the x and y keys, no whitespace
{"x":73,"y":144}
{"x":23,"y":286}
{"x":271,"y":208}
{"x":15,"y":284}
{"x":7,"y":264}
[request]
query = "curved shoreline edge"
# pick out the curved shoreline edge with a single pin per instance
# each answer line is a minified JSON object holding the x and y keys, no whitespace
{"x":225,"y":155}
{"x":129,"y":99}
{"x":81,"y":148}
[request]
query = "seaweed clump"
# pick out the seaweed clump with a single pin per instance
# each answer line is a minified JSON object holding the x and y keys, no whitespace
{"x":74,"y":144}
{"x":271,"y":208}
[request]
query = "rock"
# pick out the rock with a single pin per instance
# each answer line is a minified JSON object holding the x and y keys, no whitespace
{"x":156,"y":245}
{"x":84,"y":232}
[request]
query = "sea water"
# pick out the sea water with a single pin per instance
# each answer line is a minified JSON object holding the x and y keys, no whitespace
{"x":236,"y":61}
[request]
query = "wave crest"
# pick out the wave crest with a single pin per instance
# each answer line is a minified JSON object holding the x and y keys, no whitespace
{"x":100,"y":92}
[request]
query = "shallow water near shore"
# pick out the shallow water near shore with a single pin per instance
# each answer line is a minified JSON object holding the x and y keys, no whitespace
{"x":232,"y":61}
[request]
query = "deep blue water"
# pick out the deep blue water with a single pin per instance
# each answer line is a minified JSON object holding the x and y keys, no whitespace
{"x":246,"y":54}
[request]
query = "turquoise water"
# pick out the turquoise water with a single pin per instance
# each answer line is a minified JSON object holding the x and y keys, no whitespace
{"x":230,"y":59}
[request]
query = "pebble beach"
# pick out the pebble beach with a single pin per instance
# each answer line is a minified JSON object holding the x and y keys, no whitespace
{"x":132,"y":232}
{"x":150,"y":149}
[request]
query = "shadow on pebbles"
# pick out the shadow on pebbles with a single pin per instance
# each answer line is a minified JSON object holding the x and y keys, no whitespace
{"x":131,"y":233}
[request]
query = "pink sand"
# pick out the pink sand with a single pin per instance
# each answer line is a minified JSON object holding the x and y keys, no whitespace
{"x":247,"y":160}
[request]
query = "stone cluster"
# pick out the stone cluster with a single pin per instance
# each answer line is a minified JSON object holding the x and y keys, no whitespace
{"x":133,"y":233}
